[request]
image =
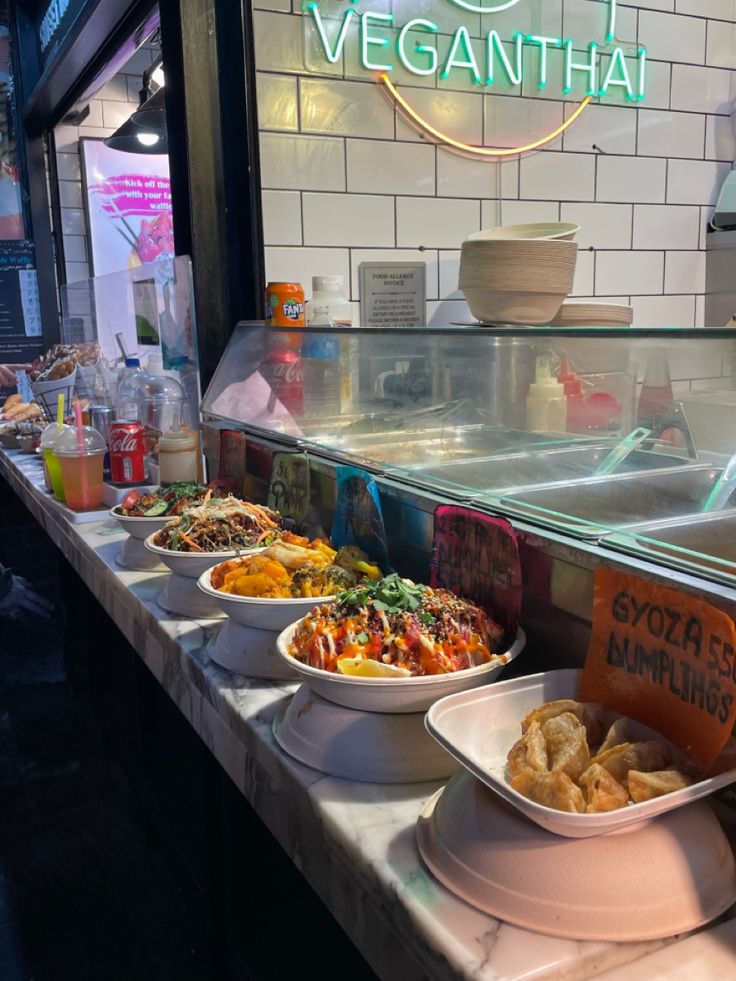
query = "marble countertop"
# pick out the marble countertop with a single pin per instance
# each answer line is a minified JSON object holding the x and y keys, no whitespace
{"x":353,"y":842}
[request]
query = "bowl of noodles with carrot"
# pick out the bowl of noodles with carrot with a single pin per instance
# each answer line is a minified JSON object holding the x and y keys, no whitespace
{"x":210,"y":533}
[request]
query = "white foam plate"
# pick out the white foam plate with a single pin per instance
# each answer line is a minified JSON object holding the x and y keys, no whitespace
{"x":646,"y":882}
{"x":364,"y":746}
{"x":253,"y":611}
{"x":479,"y":728}
{"x":393,"y":695}
{"x":250,"y":652}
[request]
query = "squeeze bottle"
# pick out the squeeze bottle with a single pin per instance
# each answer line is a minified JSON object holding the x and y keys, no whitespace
{"x":546,"y":405}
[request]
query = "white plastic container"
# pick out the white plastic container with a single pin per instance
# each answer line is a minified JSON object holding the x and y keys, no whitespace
{"x":330,"y":370}
{"x":546,"y":404}
{"x":177,"y":456}
{"x":126,"y":399}
{"x":328,"y":292}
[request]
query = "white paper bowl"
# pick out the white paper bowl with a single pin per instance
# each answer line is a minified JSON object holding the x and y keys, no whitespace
{"x":363,"y":746}
{"x":651,"y":881}
{"x":181,"y":597}
{"x":134,"y":555}
{"x":460,"y":724}
{"x":391,"y":695}
{"x":249,"y":651}
{"x":252,"y":611}
{"x":495,"y":307}
{"x":191,"y":565}
{"x":140,"y":528}
{"x":549,"y":230}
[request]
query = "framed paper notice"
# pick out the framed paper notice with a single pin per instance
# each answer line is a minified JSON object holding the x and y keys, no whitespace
{"x":393,"y":294}
{"x":127,"y":198}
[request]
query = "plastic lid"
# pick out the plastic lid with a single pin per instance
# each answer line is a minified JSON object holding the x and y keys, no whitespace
{"x":160,"y":390}
{"x":51,"y":434}
{"x":182,"y":435}
{"x":68,"y":445}
{"x":132,"y":363}
{"x":328,"y":284}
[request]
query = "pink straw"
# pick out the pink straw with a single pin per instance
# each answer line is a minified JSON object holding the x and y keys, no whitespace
{"x":80,"y":426}
{"x":80,"y":446}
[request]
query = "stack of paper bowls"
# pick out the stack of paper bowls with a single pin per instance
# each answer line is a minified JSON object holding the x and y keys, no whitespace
{"x":517,"y":281}
{"x":539,"y":229}
{"x":593,"y":314}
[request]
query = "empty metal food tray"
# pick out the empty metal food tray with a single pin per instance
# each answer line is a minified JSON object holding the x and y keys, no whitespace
{"x":504,"y":472}
{"x":704,"y":545}
{"x":592,"y":508}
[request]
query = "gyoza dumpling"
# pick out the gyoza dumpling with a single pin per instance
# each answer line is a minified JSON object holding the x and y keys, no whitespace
{"x":567,"y":745}
{"x":647,"y":757}
{"x":530,"y":751}
{"x":551,"y":789}
{"x":592,"y":715}
{"x":647,"y":786}
{"x":551,"y":709}
{"x":617,"y":734}
{"x":603,"y":792}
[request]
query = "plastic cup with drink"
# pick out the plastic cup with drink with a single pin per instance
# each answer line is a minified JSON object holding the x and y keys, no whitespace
{"x":49,"y":438}
{"x":81,"y":454}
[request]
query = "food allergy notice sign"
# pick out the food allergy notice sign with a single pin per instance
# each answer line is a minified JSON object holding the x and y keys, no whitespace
{"x":393,"y":294}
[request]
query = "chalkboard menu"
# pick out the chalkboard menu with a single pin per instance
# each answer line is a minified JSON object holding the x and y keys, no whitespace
{"x":20,"y":318}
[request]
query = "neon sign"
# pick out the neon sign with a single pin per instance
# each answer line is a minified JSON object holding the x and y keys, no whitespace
{"x":416,"y":46}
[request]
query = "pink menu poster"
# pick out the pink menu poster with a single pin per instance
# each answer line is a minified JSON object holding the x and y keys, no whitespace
{"x":128,"y":201}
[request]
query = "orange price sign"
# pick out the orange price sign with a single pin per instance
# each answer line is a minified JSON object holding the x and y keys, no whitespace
{"x":665,"y":659}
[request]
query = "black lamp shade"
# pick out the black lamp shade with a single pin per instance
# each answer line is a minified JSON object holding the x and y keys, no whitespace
{"x":145,"y":131}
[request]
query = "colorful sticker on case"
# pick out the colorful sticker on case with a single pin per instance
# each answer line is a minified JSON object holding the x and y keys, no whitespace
{"x":477,"y":557}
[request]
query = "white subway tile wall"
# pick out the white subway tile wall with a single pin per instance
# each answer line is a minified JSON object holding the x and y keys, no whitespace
{"x":112,"y":106}
{"x":346,"y":180}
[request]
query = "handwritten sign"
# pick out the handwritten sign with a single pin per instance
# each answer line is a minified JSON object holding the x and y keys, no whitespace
{"x":665,"y":659}
{"x":477,"y":557}
{"x":359,"y":516}
{"x":289,"y":489}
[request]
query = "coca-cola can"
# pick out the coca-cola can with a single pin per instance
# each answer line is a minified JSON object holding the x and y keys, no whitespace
{"x":127,"y":452}
{"x":283,"y":371}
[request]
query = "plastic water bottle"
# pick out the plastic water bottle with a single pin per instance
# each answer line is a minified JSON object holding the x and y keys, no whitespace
{"x":126,"y":402}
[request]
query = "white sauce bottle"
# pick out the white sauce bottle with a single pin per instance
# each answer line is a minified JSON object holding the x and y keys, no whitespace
{"x":546,"y":404}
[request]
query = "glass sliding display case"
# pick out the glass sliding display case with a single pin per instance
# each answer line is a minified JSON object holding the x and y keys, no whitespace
{"x":622,"y":437}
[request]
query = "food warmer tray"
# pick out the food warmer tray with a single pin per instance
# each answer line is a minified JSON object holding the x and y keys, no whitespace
{"x":416,"y":448}
{"x":504,"y":473}
{"x":591,"y":509}
{"x":704,"y":545}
